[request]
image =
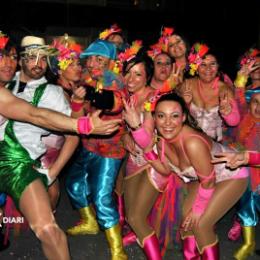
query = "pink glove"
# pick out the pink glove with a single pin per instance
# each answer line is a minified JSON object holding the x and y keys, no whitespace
{"x":233,"y":118}
{"x":141,"y":137}
{"x":201,"y":200}
{"x":254,"y":158}
{"x":84,"y":125}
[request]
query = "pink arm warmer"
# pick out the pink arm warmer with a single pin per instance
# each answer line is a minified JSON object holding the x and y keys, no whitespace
{"x":151,"y":156}
{"x":85,"y":125}
{"x":141,"y":137}
{"x":233,"y":118}
{"x":201,"y":200}
{"x":254,"y":158}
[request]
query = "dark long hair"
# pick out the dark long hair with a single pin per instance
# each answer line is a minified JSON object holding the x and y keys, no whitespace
{"x":140,"y":57}
{"x":172,"y":96}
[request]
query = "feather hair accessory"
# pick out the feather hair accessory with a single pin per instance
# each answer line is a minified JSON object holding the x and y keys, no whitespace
{"x":68,"y":50}
{"x":107,"y":32}
{"x":130,"y":52}
{"x":198,"y":51}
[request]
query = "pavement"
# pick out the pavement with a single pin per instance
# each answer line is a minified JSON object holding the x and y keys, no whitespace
{"x":94,"y":247}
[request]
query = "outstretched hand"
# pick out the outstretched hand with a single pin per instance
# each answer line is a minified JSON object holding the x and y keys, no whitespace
{"x":103,"y":127}
{"x":232,"y":159}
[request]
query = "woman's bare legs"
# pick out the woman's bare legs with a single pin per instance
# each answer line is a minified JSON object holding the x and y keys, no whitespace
{"x":226,"y":194}
{"x":140,"y":196}
{"x":35,"y":206}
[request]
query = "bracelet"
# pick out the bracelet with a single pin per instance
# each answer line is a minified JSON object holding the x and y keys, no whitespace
{"x":151,"y":156}
{"x":253,"y":158}
{"x":240,"y":81}
{"x":76,"y":106}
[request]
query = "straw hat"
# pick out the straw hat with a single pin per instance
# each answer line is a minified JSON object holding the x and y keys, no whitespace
{"x":32,"y":45}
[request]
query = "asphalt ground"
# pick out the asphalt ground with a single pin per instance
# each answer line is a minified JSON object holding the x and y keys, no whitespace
{"x":95,"y":247}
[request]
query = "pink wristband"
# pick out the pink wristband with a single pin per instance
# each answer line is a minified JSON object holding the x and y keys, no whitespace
{"x":202,"y":200}
{"x":141,"y":137}
{"x":151,"y":156}
{"x":254,"y":158}
{"x":84,"y":125}
{"x":75,"y":106}
{"x":233,"y":118}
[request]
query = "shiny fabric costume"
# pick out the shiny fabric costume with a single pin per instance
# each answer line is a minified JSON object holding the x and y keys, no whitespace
{"x":248,"y":135}
{"x":21,"y":144}
{"x":92,"y":175}
{"x":16,"y":166}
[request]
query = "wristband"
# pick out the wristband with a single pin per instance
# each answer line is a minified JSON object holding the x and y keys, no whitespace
{"x":151,"y":156}
{"x":76,"y":106}
{"x":141,"y":137}
{"x":240,"y":81}
{"x":84,"y":125}
{"x":254,"y":158}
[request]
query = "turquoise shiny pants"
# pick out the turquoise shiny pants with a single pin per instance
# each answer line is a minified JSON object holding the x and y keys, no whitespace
{"x":249,"y":208}
{"x":91,"y":180}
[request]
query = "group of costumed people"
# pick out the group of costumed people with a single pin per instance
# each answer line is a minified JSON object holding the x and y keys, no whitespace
{"x":146,"y":118}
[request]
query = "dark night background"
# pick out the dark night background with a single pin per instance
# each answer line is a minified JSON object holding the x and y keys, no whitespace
{"x":227,"y":26}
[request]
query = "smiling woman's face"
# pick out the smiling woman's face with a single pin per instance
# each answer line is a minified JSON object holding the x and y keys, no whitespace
{"x":169,"y":119}
{"x":135,"y":78}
